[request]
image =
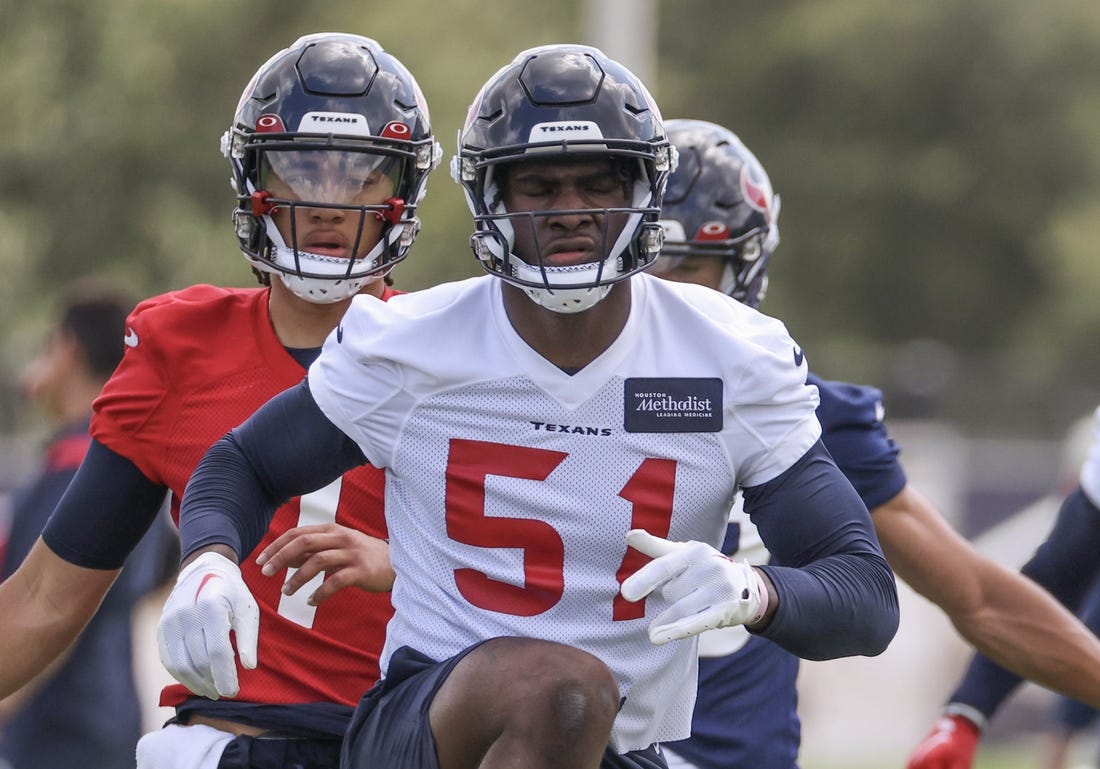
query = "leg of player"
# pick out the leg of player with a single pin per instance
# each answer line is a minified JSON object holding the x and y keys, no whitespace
{"x":524,"y":702}
{"x":504,"y":702}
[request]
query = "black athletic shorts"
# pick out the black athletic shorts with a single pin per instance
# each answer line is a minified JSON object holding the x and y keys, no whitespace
{"x":246,"y":752}
{"x":390,"y":727}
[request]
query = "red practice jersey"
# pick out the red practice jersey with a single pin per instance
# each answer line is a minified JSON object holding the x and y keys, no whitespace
{"x":198,"y":362}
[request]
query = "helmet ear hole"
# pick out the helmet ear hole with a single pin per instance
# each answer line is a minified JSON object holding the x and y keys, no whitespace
{"x":342,"y":98}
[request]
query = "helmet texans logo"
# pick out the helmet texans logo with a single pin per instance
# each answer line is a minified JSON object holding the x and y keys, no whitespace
{"x":756,"y":189}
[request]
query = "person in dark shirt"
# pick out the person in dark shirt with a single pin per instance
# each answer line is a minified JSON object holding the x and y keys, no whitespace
{"x":83,"y":710}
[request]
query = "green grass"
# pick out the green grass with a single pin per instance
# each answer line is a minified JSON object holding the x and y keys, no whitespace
{"x":1000,"y":757}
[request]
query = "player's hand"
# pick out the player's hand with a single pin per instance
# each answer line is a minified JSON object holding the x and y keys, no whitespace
{"x":704,"y":588}
{"x":209,"y":601}
{"x":950,"y":745}
{"x":347,"y":557}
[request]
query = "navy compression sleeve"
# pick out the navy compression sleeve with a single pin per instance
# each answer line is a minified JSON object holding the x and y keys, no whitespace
{"x":105,"y":511}
{"x":1065,"y":564}
{"x":826,"y":556}
{"x":287,"y":448}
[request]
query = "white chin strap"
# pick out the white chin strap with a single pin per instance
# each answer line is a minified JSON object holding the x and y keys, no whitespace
{"x":560,"y":296}
{"x":568,"y":300}
{"x":332,"y":286}
{"x":320,"y":291}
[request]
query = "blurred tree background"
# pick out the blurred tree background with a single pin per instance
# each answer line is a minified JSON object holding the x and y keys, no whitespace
{"x":938,"y":162}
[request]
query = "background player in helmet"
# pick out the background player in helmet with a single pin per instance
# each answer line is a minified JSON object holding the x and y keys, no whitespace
{"x":1066,"y":563}
{"x":720,"y":216}
{"x":544,"y":435}
{"x":330,"y":147}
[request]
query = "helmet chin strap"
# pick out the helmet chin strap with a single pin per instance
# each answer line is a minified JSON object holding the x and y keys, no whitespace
{"x":319,"y":290}
{"x":729,"y":280}
{"x":567,"y":300}
{"x":568,"y":289}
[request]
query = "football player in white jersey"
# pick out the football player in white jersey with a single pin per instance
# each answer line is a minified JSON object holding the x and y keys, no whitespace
{"x":562,"y":440}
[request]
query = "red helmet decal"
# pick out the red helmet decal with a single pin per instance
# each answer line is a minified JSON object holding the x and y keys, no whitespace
{"x":395,"y":129}
{"x":755,"y":190}
{"x":269,"y":124}
{"x":712,"y":231}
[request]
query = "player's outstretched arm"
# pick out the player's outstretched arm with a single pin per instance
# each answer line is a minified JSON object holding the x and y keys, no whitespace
{"x":1003,"y":614}
{"x":105,"y":511}
{"x":44,"y":605}
{"x":285,"y":449}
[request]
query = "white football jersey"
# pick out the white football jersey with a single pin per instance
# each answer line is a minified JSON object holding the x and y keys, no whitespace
{"x":511,"y":485}
{"x":1090,"y":470}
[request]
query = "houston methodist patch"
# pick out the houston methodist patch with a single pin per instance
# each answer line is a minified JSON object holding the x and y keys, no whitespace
{"x":674,"y":405}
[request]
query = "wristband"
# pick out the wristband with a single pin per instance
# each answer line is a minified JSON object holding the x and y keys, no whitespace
{"x":762,"y":589}
{"x":970,"y":713}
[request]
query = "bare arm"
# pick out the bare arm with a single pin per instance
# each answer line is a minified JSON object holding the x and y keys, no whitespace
{"x":1003,"y":614}
{"x":43,"y":607}
{"x":13,"y":703}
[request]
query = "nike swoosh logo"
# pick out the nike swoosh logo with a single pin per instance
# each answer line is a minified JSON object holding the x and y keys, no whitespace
{"x":799,"y":356}
{"x":339,"y":334}
{"x":131,"y":338}
{"x":202,"y":584}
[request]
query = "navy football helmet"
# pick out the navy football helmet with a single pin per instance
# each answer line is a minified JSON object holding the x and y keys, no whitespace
{"x":563,"y":101}
{"x":321,"y":117}
{"x":720,"y":202}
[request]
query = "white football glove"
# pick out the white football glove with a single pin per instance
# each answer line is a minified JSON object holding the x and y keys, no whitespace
{"x":209,"y":600}
{"x":704,"y":588}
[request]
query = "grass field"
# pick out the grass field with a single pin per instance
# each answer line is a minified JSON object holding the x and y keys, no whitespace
{"x":1004,"y":758}
{"x":1027,"y":754}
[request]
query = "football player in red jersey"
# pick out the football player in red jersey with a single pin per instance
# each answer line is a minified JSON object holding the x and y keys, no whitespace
{"x":330,"y":147}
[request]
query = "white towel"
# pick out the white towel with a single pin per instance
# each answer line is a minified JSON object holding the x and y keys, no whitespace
{"x":182,"y":747}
